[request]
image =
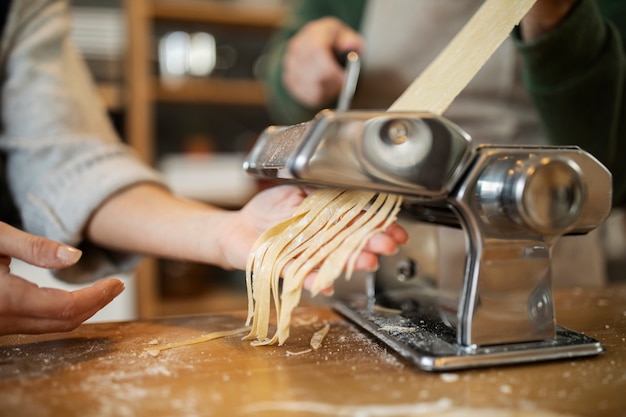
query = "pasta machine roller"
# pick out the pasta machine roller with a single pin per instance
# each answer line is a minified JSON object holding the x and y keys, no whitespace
{"x":511,"y":202}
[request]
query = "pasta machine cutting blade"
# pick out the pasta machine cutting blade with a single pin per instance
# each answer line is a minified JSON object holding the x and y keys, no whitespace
{"x":511,"y":202}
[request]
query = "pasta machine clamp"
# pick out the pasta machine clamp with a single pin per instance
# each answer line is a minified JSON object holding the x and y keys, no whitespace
{"x":512,"y":202}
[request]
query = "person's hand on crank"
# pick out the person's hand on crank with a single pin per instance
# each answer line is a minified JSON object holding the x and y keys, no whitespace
{"x":312,"y":73}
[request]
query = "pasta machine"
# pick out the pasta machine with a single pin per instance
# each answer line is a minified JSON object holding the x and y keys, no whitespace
{"x":511,"y":202}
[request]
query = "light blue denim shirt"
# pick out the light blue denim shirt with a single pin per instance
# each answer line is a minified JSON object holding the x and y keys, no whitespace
{"x":63,"y":156}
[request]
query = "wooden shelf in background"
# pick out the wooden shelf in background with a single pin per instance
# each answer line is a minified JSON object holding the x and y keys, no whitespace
{"x":229,"y":13}
{"x":111,"y":95}
{"x":214,"y":91}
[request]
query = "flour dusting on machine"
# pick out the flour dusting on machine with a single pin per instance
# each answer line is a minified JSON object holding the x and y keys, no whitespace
{"x":511,"y":202}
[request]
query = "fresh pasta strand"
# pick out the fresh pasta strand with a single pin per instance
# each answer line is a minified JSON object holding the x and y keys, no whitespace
{"x":333,"y":255}
{"x":326,"y":243}
{"x":155,"y":350}
{"x":276,"y":247}
{"x":330,"y":224}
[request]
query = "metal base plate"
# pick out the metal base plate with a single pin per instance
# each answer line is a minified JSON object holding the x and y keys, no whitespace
{"x":421,"y":336}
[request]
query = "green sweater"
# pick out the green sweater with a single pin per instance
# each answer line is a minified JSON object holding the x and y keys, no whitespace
{"x":575,"y":76}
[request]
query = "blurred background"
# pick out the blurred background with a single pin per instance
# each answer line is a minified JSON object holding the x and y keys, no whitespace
{"x":180,"y":81}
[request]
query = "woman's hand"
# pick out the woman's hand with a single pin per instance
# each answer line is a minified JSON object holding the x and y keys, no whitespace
{"x":27,"y":308}
{"x":279,"y":203}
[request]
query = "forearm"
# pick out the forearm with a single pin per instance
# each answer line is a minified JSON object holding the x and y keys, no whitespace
{"x":149,"y":220}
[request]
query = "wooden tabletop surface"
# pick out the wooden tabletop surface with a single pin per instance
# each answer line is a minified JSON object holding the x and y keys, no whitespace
{"x":103,"y":370}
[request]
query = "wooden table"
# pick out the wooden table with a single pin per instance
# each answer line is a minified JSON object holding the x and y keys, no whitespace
{"x":103,"y":370}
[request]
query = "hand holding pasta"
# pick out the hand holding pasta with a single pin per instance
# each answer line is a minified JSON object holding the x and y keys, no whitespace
{"x":325,"y":235}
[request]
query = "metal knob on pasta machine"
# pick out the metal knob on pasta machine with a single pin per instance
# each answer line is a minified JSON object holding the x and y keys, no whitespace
{"x":512,"y":202}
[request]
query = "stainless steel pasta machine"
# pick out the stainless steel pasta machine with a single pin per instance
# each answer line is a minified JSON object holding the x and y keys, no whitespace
{"x":511,"y":202}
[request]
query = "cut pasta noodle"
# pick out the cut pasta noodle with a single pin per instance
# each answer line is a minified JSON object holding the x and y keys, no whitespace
{"x":318,"y":337}
{"x":155,"y":350}
{"x":328,"y":230}
{"x":316,"y":341}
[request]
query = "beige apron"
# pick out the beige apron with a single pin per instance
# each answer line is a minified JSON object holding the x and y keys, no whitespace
{"x":402,"y":38}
